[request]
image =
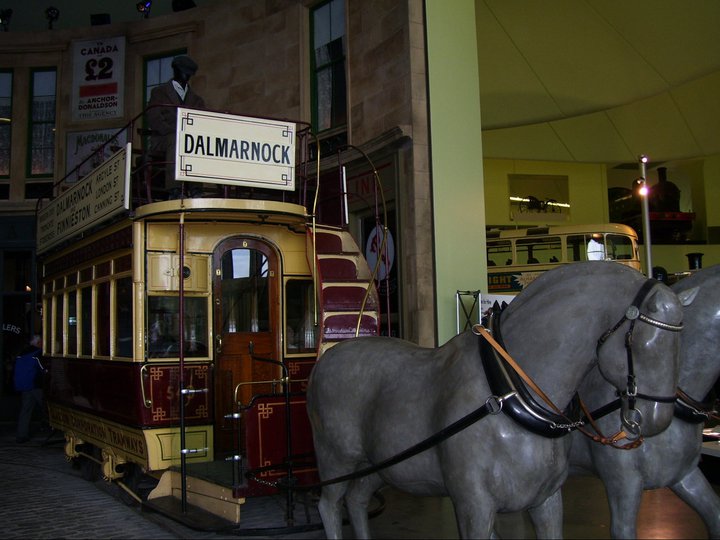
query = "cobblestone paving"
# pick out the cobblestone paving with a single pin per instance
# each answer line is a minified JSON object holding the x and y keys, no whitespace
{"x":43,"y":496}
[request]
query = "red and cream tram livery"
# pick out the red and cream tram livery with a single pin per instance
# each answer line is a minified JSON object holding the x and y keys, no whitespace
{"x":182,"y":332}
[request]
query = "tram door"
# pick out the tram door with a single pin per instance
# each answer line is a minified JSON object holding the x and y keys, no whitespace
{"x":245,"y":296}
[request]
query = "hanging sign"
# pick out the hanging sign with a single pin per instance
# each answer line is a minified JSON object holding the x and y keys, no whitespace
{"x":98,"y":78}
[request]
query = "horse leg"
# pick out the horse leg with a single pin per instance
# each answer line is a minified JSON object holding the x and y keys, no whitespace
{"x":696,"y":491}
{"x":475,"y":517}
{"x":547,"y":517}
{"x":624,"y":496}
{"x":357,"y":500}
{"x":330,"y":508}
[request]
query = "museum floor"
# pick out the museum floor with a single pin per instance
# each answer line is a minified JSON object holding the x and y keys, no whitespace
{"x":586,"y":515}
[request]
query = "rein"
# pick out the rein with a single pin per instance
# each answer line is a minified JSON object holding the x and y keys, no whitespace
{"x":493,"y":405}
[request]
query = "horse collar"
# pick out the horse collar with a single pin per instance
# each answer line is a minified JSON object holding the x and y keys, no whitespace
{"x":519,"y":404}
{"x":691,"y":410}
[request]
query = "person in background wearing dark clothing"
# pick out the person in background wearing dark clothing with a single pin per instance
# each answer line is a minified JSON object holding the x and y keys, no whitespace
{"x":28,"y":379}
{"x":162,"y":119}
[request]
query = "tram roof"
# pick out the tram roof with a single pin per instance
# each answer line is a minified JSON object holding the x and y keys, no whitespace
{"x":265,"y":211}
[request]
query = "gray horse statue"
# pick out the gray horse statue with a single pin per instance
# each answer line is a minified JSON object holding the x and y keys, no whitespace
{"x":671,"y":458}
{"x":373,"y":399}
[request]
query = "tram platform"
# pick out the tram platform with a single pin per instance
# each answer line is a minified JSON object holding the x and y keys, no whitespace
{"x":42,"y":496}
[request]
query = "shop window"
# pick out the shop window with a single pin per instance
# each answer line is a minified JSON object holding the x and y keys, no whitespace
{"x":6,"y":78}
{"x":41,"y":146}
{"x":329,"y":90}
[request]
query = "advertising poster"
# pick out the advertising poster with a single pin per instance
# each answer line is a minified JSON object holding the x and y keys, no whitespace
{"x":85,"y":150}
{"x":98,"y":78}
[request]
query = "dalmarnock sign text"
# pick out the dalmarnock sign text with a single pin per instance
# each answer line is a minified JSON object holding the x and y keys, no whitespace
{"x":103,"y":193}
{"x":235,"y":150}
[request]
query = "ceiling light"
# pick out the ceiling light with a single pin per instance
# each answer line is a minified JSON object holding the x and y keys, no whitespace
{"x":144,"y":8}
{"x":52,"y":14}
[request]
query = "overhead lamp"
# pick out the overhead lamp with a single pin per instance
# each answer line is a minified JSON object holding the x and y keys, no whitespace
{"x":5,"y":15}
{"x":644,"y":207}
{"x":52,"y":14}
{"x":144,"y":8}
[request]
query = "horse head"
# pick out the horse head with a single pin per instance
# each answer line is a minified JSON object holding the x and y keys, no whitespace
{"x":644,"y":345}
{"x":699,"y":361}
{"x":605,"y":314}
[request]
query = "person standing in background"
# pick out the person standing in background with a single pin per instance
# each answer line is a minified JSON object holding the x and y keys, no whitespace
{"x":28,"y":379}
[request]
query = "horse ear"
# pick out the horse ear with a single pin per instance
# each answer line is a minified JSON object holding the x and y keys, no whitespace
{"x":687,"y":297}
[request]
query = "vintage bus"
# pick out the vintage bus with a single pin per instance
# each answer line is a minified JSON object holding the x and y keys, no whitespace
{"x":181,"y":333}
{"x":515,"y":257}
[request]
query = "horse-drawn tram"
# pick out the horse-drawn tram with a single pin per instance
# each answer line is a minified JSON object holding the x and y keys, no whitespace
{"x":181,"y":333}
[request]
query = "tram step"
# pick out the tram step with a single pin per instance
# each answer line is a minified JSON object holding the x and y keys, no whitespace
{"x":344,"y":326}
{"x":330,"y":242}
{"x":347,"y":297}
{"x":337,"y":268}
{"x":203,"y":495}
{"x":194,"y":517}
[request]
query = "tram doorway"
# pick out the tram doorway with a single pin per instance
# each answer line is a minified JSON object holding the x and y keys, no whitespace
{"x":247,"y":325}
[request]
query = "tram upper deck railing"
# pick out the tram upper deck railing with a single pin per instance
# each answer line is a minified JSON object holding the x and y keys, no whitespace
{"x":145,"y":179}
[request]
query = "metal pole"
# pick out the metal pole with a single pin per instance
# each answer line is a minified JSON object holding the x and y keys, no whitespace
{"x":181,"y":366}
{"x":644,"y":193}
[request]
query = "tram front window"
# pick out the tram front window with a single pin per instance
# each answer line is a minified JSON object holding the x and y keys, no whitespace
{"x":245,"y":293}
{"x":164,"y":326}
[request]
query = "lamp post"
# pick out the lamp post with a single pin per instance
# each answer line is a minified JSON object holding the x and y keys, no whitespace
{"x":644,"y":193}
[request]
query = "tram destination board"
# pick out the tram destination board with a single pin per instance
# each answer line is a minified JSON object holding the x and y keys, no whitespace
{"x":103,"y":193}
{"x":234,"y":150}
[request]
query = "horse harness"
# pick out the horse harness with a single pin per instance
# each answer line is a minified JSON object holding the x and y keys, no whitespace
{"x":555,"y":423}
{"x":508,"y":383}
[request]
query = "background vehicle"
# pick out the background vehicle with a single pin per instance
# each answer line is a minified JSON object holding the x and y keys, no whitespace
{"x":517,"y":256}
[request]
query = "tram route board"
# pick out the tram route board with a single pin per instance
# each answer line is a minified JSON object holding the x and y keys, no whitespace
{"x":103,"y":193}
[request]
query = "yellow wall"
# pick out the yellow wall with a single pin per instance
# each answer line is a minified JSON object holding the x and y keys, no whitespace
{"x":673,"y":257}
{"x":712,"y":190}
{"x":587,"y":186}
{"x":588,"y":198}
{"x":457,"y":170}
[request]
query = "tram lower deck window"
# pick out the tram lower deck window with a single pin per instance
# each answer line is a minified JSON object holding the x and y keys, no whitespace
{"x":164,"y":326}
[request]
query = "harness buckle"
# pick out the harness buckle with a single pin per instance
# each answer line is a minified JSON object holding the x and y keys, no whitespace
{"x":494,"y":404}
{"x":631,"y":391}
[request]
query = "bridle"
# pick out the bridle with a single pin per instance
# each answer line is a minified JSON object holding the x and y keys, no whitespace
{"x":632,"y":417}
